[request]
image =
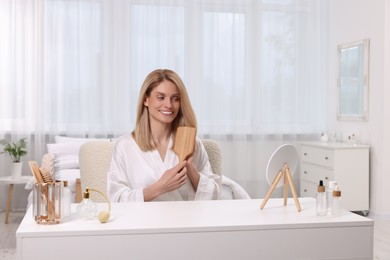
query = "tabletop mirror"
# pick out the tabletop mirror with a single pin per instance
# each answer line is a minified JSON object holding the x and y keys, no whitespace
{"x":353,"y":61}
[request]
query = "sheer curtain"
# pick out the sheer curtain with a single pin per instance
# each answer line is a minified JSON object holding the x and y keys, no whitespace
{"x":255,"y":71}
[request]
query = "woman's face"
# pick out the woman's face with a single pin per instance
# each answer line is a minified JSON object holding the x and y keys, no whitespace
{"x":163,"y":103}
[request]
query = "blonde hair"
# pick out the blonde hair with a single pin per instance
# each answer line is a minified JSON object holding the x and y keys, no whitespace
{"x":186,"y":116}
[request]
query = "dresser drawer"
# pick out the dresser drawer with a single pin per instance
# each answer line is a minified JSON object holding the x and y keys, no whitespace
{"x":314,"y":155}
{"x":313,"y":173}
{"x":308,"y":189}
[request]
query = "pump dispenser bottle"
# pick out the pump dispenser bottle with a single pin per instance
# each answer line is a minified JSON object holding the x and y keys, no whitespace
{"x":321,"y":199}
{"x":336,"y":202}
{"x":329,"y":196}
{"x":66,"y":202}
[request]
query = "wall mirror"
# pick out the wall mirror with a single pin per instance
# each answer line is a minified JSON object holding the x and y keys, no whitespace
{"x":353,"y":62}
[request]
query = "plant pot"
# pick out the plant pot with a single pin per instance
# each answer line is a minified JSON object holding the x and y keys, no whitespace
{"x":16,"y":170}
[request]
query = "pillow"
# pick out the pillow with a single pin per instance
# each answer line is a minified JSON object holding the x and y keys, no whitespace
{"x":66,"y":155}
{"x":66,"y":152}
{"x":69,"y":175}
{"x":30,"y":184}
{"x":65,"y":139}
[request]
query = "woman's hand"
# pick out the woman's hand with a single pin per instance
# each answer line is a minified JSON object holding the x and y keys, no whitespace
{"x":171,"y":179}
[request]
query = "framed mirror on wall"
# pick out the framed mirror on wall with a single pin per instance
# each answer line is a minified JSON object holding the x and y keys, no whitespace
{"x":352,"y":81}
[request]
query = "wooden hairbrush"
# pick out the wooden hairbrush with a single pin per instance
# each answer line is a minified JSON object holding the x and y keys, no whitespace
{"x":184,"y":145}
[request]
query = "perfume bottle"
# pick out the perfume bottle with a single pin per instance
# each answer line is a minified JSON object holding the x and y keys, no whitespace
{"x":336,"y":202}
{"x":66,"y":202}
{"x":321,"y":199}
{"x":87,"y":209}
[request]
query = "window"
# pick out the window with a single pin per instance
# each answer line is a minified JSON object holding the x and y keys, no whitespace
{"x":250,"y":67}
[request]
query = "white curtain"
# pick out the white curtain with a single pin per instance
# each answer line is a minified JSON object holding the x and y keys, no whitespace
{"x":255,"y":71}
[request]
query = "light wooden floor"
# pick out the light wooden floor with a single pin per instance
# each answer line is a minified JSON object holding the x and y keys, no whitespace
{"x":381,"y":234}
{"x":7,"y":231}
{"x":382,"y":239}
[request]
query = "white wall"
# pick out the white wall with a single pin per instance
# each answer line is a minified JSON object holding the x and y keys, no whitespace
{"x":383,"y":204}
{"x":352,"y":20}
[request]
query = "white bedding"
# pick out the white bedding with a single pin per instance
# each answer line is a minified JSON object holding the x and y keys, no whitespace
{"x":65,"y":151}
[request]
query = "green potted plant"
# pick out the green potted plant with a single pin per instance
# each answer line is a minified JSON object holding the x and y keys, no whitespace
{"x":15,"y":150}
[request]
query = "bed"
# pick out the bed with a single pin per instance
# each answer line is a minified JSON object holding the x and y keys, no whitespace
{"x":65,"y":152}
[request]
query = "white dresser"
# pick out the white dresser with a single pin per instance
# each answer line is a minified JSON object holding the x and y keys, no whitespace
{"x":345,"y":163}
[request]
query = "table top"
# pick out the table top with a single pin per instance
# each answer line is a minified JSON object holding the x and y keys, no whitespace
{"x":10,"y":180}
{"x":192,"y":216}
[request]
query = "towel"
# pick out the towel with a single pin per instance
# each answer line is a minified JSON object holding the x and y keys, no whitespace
{"x":232,"y":190}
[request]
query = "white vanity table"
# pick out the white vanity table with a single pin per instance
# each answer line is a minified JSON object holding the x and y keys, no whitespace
{"x":224,"y":229}
{"x":345,"y":163}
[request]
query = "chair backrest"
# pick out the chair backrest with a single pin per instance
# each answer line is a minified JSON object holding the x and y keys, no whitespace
{"x":213,"y":150}
{"x":95,"y":158}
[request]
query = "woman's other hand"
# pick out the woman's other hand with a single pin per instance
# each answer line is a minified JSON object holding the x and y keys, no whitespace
{"x":192,"y":173}
{"x":171,"y":180}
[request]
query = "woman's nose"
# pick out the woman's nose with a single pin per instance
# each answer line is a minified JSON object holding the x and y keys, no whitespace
{"x":168,"y":102}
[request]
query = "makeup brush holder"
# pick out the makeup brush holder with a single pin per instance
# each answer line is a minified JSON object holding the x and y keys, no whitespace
{"x":47,"y":202}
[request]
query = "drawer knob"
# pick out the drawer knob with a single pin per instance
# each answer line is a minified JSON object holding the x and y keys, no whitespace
{"x":304,"y":154}
{"x":305,"y":190}
{"x":304,"y":172}
{"x":326,"y":178}
{"x":326,"y":158}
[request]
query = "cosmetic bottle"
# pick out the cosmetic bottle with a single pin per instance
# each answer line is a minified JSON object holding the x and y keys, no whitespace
{"x":87,"y":208}
{"x":336,"y":202}
{"x":321,"y":199}
{"x":324,"y":137}
{"x":66,"y":201}
{"x":329,"y":196}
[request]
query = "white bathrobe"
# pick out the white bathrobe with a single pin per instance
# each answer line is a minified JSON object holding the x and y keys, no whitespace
{"x":132,"y":170}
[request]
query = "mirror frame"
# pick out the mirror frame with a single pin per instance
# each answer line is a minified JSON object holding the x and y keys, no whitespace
{"x":365,"y":43}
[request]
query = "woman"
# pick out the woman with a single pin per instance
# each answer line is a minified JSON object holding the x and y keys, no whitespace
{"x":143,"y":166}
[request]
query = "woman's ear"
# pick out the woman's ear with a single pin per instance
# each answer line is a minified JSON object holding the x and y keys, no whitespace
{"x":146,"y":102}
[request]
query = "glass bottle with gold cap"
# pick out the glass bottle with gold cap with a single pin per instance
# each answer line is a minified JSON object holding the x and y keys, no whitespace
{"x":87,"y":208}
{"x":321,"y":199}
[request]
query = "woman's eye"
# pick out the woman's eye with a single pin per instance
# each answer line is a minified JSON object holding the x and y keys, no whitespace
{"x":160,"y":97}
{"x":176,"y":99}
